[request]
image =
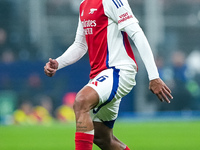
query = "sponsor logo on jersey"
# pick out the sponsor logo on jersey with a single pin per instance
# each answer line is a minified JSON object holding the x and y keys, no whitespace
{"x":118,"y":3}
{"x":92,"y":10}
{"x":124,"y":17}
{"x":88,"y":26}
{"x":89,"y":23}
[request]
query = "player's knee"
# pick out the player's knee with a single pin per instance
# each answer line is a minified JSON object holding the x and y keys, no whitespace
{"x":102,"y":142}
{"x":80,"y":104}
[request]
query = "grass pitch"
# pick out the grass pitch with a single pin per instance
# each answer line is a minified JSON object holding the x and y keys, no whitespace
{"x":137,"y":135}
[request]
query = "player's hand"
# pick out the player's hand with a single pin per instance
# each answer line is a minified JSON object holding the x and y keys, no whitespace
{"x":51,"y":67}
{"x":158,"y":87}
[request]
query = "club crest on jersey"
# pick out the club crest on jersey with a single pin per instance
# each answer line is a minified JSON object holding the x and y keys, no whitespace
{"x":92,"y":10}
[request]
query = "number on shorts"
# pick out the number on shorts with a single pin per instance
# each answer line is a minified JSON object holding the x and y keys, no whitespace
{"x":102,"y":78}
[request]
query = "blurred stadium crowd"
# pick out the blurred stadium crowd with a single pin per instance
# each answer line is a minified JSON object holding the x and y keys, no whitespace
{"x":33,"y":30}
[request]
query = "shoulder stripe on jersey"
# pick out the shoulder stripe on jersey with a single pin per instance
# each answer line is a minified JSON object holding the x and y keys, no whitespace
{"x":115,"y":4}
{"x":121,"y":2}
{"x":118,"y":3}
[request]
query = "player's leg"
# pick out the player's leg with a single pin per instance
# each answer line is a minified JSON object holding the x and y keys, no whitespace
{"x":111,"y":85}
{"x":95,"y":93}
{"x":86,"y":99}
{"x":105,"y":139}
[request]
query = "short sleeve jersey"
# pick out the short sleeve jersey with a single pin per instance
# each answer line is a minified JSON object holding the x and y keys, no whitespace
{"x":102,"y":23}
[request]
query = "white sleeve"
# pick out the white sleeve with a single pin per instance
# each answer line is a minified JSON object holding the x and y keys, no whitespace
{"x":120,"y":12}
{"x":137,"y":35}
{"x":76,"y":51}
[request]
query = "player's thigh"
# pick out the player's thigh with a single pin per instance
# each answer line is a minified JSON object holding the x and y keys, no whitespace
{"x":112,"y":84}
{"x":103,"y":84}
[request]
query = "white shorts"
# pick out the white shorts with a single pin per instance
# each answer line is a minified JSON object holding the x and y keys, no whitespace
{"x":111,"y":85}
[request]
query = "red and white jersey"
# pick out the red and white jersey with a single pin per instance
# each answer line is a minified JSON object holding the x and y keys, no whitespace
{"x":102,"y":23}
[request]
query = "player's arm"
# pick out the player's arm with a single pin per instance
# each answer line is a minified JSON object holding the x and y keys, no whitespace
{"x":156,"y":85}
{"x":137,"y":35}
{"x":76,"y":51}
{"x":122,"y":15}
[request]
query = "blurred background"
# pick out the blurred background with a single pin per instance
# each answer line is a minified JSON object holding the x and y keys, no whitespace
{"x":31,"y":31}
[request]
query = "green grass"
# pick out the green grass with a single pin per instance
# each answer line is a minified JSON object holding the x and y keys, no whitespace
{"x":137,"y":135}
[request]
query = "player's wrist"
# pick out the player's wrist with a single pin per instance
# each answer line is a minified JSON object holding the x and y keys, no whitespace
{"x":153,"y":78}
